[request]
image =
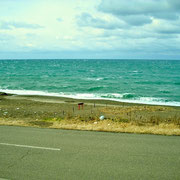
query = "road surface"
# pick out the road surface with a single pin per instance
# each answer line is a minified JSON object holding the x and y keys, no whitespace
{"x":36,"y":153}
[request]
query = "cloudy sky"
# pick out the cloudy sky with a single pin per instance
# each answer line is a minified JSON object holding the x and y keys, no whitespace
{"x":90,"y":29}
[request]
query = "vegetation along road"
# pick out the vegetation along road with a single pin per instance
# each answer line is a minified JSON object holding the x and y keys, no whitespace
{"x":39,"y":153}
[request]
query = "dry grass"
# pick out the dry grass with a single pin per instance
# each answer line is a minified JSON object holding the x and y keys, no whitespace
{"x":118,"y":118}
{"x":163,"y":129}
{"x":13,"y":122}
{"x":105,"y":125}
{"x":143,"y":115}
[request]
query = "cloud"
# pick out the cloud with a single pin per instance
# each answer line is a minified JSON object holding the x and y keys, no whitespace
{"x":166,"y":15}
{"x":174,"y":4}
{"x":9,"y":25}
{"x":134,"y":7}
{"x":170,"y":31}
{"x":136,"y":35}
{"x":141,"y":11}
{"x":137,"y":20}
{"x":87,"y":20}
{"x":109,"y":28}
{"x":167,"y":29}
{"x":124,"y":8}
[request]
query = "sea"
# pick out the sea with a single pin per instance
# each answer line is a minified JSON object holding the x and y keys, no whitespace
{"x":136,"y":81}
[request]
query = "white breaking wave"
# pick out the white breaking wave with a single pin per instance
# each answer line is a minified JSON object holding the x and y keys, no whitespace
{"x":108,"y":96}
{"x":94,"y":79}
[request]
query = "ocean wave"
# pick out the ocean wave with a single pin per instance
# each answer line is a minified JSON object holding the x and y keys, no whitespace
{"x":112,"y":95}
{"x":94,"y":79}
{"x":165,"y":92}
{"x":95,"y":88}
{"x":125,"y":97}
{"x":129,"y":96}
{"x":29,"y":92}
{"x":120,"y":96}
{"x":136,"y":71}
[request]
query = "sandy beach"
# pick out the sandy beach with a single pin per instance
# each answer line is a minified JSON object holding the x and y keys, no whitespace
{"x":64,"y":113}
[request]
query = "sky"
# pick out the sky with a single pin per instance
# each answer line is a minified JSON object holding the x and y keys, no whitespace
{"x":103,"y":29}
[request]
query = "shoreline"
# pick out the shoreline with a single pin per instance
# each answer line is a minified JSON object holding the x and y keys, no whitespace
{"x":98,"y":101}
{"x":63,"y":113}
{"x":59,"y":95}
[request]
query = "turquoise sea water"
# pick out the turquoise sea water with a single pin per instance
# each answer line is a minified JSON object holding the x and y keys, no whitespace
{"x":140,"y":81}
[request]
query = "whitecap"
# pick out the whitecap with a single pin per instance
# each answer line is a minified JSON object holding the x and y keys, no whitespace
{"x":94,"y":79}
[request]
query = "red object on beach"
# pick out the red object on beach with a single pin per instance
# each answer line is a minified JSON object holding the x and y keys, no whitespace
{"x":79,"y":105}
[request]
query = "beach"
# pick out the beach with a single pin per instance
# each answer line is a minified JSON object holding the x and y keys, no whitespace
{"x":64,"y":113}
{"x":130,"y":96}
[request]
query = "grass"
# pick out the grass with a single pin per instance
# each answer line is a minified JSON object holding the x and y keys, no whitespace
{"x":63,"y":113}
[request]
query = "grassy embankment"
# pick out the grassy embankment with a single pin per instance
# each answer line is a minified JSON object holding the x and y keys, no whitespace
{"x":55,"y":112}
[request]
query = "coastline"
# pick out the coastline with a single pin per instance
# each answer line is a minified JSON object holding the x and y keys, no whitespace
{"x":63,"y":113}
{"x":86,"y":96}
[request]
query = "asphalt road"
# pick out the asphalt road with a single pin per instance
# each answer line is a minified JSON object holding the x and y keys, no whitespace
{"x":35,"y":153}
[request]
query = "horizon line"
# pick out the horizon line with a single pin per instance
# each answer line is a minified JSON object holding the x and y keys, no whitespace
{"x":91,"y":59}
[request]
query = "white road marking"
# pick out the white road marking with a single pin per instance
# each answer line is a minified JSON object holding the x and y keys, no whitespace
{"x":33,"y":147}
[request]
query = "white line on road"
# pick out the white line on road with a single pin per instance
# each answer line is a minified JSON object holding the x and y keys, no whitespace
{"x":34,"y":147}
